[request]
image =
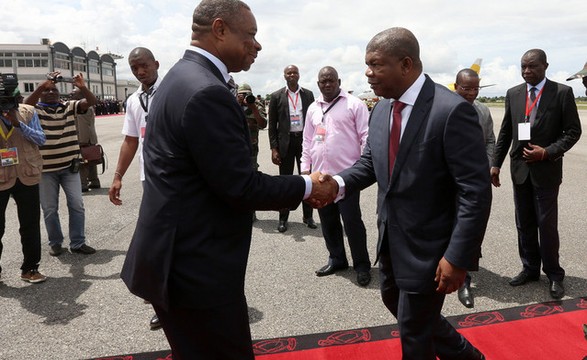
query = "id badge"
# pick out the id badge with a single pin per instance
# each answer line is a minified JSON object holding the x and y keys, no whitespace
{"x":320,"y":133}
{"x":9,"y":156}
{"x":295,"y":121}
{"x":524,"y":131}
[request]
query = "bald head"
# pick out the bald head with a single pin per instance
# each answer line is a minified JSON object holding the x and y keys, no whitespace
{"x":466,"y":73}
{"x":141,"y":52}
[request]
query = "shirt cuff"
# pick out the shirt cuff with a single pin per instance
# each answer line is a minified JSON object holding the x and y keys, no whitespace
{"x":308,"y":181}
{"x":341,"y":188}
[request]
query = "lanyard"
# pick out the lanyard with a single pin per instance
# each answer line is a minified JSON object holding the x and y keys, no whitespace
{"x":330,"y":107}
{"x":294,"y":104}
{"x":145,"y":103}
{"x":6,"y":136}
{"x":531,"y":107}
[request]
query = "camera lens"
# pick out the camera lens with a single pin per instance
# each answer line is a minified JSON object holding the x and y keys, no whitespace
{"x":250,"y":99}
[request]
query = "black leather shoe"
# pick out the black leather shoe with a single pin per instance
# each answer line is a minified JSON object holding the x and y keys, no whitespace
{"x":523,"y":278}
{"x":311,"y":223}
{"x":329,"y":270}
{"x":154,"y":323}
{"x":282,"y":226}
{"x":557,"y":290}
{"x":479,"y":354}
{"x":466,"y":296}
{"x":56,"y":250}
{"x":363,"y":278}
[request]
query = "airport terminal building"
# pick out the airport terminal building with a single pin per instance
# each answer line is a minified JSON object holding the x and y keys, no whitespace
{"x":32,"y":62}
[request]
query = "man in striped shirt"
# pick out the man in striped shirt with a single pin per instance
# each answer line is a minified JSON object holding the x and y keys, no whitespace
{"x":61,"y":160}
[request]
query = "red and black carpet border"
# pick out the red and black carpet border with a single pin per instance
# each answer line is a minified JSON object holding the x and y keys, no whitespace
{"x":385,"y":332}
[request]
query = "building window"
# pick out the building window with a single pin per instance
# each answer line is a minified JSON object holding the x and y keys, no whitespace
{"x":5,"y":63}
{"x":29,"y":87}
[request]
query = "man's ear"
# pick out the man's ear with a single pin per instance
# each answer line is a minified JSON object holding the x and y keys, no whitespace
{"x":219,"y":28}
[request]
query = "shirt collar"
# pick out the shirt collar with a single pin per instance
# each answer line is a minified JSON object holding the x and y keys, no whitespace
{"x":216,"y":61}
{"x":293,"y":92}
{"x":341,"y":94}
{"x":538,"y":86}
{"x":409,"y":96}
{"x":153,"y":87}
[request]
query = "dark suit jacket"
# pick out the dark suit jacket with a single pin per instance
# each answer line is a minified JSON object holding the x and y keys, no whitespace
{"x":438,"y":199}
{"x":279,"y":121}
{"x":556,"y":128}
{"x":192,"y":239}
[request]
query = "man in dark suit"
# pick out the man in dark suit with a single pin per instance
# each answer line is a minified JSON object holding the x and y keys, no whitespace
{"x":189,"y":252}
{"x":434,"y":194}
{"x":287,"y":114}
{"x":540,"y":123}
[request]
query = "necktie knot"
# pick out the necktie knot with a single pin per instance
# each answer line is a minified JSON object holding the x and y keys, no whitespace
{"x":533,"y":93}
{"x":398,"y":106}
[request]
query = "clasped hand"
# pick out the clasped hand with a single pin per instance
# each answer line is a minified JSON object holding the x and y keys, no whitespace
{"x":324,"y":190}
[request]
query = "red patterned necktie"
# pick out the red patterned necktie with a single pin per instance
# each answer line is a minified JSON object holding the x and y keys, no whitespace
{"x":396,"y":129}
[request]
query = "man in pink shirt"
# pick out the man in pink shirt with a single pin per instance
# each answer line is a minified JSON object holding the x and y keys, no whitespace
{"x":334,"y":136}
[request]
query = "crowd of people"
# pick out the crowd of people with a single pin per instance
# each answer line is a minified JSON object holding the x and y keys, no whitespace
{"x":432,"y":153}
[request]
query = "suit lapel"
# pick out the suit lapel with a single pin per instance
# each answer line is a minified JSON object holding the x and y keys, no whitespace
{"x":417,"y":119}
{"x":190,"y":55}
{"x":548,"y":94}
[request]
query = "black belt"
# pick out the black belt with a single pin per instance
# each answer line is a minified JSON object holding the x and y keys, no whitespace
{"x":296,"y":134}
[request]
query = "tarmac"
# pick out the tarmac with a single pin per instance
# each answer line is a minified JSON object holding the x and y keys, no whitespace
{"x":84,"y":310}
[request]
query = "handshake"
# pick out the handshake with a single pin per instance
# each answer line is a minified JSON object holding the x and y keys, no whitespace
{"x":324,"y":190}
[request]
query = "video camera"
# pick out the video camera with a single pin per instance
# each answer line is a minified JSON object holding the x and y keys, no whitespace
{"x":8,"y":92}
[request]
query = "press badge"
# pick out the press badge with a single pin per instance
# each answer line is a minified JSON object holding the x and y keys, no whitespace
{"x":9,"y":156}
{"x":320,"y":133}
{"x":524,"y":131}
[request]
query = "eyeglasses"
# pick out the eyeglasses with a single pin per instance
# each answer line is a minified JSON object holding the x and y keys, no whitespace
{"x":468,"y":88}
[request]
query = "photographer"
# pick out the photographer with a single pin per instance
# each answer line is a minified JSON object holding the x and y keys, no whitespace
{"x":256,"y":117}
{"x":61,"y":161}
{"x":20,"y":173}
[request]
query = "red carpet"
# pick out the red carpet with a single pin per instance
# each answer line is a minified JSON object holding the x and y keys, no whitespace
{"x":546,"y":331}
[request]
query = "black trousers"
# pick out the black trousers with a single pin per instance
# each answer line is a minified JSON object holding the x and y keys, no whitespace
{"x":220,"y":333}
{"x":332,"y":230}
{"x":293,"y":157}
{"x":537,"y":214}
{"x":29,"y":216}
{"x":424,"y":333}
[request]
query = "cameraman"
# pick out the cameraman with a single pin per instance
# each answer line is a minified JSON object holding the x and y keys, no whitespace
{"x":61,"y":161}
{"x":256,"y":117}
{"x":20,"y":173}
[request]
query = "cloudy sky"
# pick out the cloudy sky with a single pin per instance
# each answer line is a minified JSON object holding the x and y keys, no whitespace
{"x":313,"y":34}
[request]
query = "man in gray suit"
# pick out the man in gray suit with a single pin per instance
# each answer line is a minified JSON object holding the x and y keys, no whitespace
{"x":540,"y":124}
{"x":189,"y":252}
{"x":434,"y":194}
